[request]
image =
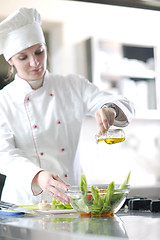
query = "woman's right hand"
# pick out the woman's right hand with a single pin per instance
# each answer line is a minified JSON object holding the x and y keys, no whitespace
{"x":52,"y":184}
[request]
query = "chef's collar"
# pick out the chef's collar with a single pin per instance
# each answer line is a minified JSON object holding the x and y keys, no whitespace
{"x":24,"y":84}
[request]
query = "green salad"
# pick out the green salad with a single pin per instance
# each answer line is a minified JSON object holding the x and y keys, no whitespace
{"x":94,"y":200}
{"x":99,"y":201}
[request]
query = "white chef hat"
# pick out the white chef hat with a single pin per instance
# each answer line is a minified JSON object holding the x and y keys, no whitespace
{"x":20,"y":30}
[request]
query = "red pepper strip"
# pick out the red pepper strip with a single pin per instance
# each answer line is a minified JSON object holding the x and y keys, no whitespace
{"x":89,"y":197}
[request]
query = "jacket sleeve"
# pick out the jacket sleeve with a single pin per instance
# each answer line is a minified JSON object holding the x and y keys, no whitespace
{"x":13,"y":161}
{"x":94,"y":99}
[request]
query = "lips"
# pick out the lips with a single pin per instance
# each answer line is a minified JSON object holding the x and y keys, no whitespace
{"x":37,"y":69}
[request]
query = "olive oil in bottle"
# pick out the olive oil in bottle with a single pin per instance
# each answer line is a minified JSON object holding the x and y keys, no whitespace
{"x":112,"y":136}
{"x":111,"y":140}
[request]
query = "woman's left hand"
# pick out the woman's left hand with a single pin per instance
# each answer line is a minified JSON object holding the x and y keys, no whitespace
{"x":105,"y":118}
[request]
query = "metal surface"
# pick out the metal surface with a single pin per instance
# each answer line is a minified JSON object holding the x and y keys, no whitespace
{"x":124,"y":225}
{"x":62,"y":227}
{"x":143,"y":4}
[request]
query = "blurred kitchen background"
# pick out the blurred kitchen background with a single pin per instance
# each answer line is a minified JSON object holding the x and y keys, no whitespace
{"x":118,"y":49}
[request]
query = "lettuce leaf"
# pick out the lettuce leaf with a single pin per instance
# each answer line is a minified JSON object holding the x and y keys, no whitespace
{"x":59,"y":205}
{"x":97,"y":201}
{"x":107,"y":207}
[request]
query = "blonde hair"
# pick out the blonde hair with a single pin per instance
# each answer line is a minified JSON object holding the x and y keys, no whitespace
{"x":11,"y":74}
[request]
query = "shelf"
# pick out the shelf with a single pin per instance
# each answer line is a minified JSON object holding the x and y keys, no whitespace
{"x":147,"y":74}
{"x":130,"y":70}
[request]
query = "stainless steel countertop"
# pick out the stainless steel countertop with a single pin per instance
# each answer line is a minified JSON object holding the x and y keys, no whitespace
{"x":124,"y":225}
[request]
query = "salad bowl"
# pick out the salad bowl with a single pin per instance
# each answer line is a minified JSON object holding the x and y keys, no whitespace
{"x":98,"y":200}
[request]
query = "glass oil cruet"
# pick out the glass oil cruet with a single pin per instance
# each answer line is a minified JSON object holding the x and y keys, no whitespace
{"x":111,"y":136}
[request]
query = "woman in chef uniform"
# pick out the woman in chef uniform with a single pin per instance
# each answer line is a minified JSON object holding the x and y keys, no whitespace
{"x":41,"y":115}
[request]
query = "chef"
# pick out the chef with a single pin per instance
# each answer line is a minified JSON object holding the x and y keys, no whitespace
{"x":41,"y":115}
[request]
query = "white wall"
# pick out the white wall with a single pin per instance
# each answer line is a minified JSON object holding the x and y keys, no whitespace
{"x":140,"y":153}
{"x":69,"y":23}
{"x":80,"y":21}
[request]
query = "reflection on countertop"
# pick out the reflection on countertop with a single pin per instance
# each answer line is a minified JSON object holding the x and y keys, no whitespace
{"x":68,"y":225}
{"x":125,"y":224}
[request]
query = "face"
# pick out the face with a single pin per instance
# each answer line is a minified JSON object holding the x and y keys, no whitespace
{"x":31,"y":62}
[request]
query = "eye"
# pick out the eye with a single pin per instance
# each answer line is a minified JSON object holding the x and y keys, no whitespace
{"x":21,"y":58}
{"x":38,"y":52}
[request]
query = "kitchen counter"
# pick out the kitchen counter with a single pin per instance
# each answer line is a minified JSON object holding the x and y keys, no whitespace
{"x":124,"y":225}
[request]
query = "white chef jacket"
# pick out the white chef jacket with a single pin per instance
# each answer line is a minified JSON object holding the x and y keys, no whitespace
{"x":40,"y":129}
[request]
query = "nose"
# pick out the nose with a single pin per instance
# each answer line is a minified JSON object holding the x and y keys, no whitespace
{"x":34,"y":62}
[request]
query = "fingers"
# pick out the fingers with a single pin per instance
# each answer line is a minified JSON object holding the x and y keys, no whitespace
{"x":54,"y":186}
{"x":56,"y":177}
{"x":59,"y":195}
{"x":105,"y":118}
